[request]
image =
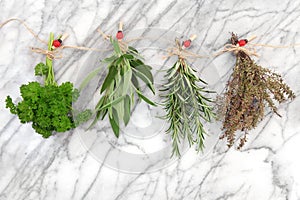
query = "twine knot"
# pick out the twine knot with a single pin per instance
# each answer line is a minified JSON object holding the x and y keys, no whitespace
{"x":236,"y":48}
{"x":122,"y":44}
{"x":54,"y":54}
{"x":180,"y":50}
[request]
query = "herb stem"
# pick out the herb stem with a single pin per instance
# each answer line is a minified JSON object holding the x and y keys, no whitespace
{"x":50,"y":80}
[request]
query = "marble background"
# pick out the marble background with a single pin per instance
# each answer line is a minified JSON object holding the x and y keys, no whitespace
{"x":61,"y":168}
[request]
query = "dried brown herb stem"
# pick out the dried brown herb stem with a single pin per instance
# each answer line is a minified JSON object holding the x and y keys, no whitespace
{"x":249,"y":90}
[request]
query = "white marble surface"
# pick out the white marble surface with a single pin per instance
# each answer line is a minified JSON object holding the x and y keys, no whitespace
{"x":61,"y":168}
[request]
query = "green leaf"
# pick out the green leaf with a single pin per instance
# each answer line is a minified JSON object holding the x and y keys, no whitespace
{"x":100,"y":102}
{"x":145,"y":70}
{"x":116,"y":46}
{"x":104,"y":113}
{"x":127,"y":107}
{"x":144,"y":78}
{"x":119,"y":60}
{"x":128,"y":56}
{"x":95,"y":120}
{"x":134,"y":81}
{"x":119,"y":108}
{"x":114,"y":122}
{"x":89,"y":77}
{"x":110,"y":104}
{"x":110,"y":59}
{"x":136,"y":62}
{"x":109,"y":78}
{"x":132,"y":49}
{"x":148,"y":67}
{"x":126,"y":82}
{"x":75,"y":95}
{"x":82,"y":117}
{"x":201,"y":80}
{"x":41,"y":69}
{"x":11,"y":105}
{"x":145,"y":98}
{"x":173,"y":70}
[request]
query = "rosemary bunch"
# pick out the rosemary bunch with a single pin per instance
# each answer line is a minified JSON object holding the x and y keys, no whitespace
{"x":125,"y":70}
{"x":249,"y":90}
{"x":185,"y":105}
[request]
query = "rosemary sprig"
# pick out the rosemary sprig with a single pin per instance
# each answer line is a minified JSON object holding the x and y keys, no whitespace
{"x":121,"y":85}
{"x":185,"y":105}
{"x":249,"y":90}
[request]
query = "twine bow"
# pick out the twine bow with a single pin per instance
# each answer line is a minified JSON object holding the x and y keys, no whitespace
{"x":54,"y":54}
{"x":122,"y":44}
{"x":57,"y":54}
{"x":236,"y":48}
{"x":180,"y":50}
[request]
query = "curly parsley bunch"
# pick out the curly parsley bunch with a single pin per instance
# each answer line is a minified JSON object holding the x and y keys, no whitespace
{"x":48,"y":106}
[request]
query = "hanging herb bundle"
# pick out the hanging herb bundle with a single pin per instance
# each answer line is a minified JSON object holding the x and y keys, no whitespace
{"x":125,"y":69}
{"x":185,"y":103}
{"x":249,"y":90}
{"x":48,"y":106}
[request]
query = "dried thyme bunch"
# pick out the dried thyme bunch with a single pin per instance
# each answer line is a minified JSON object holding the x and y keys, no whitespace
{"x":186,"y":104}
{"x":249,"y":90}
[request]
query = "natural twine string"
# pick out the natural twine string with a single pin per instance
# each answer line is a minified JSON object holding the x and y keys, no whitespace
{"x":250,"y":50}
{"x":53,"y":54}
{"x":26,"y":26}
{"x":275,"y":46}
{"x":178,"y":50}
{"x":181,"y":53}
{"x":57,"y":54}
{"x":122,"y":43}
{"x":235,"y":49}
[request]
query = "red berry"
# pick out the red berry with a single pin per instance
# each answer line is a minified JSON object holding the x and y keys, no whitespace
{"x":242,"y":42}
{"x":119,"y":35}
{"x":56,"y":43}
{"x":187,"y":43}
